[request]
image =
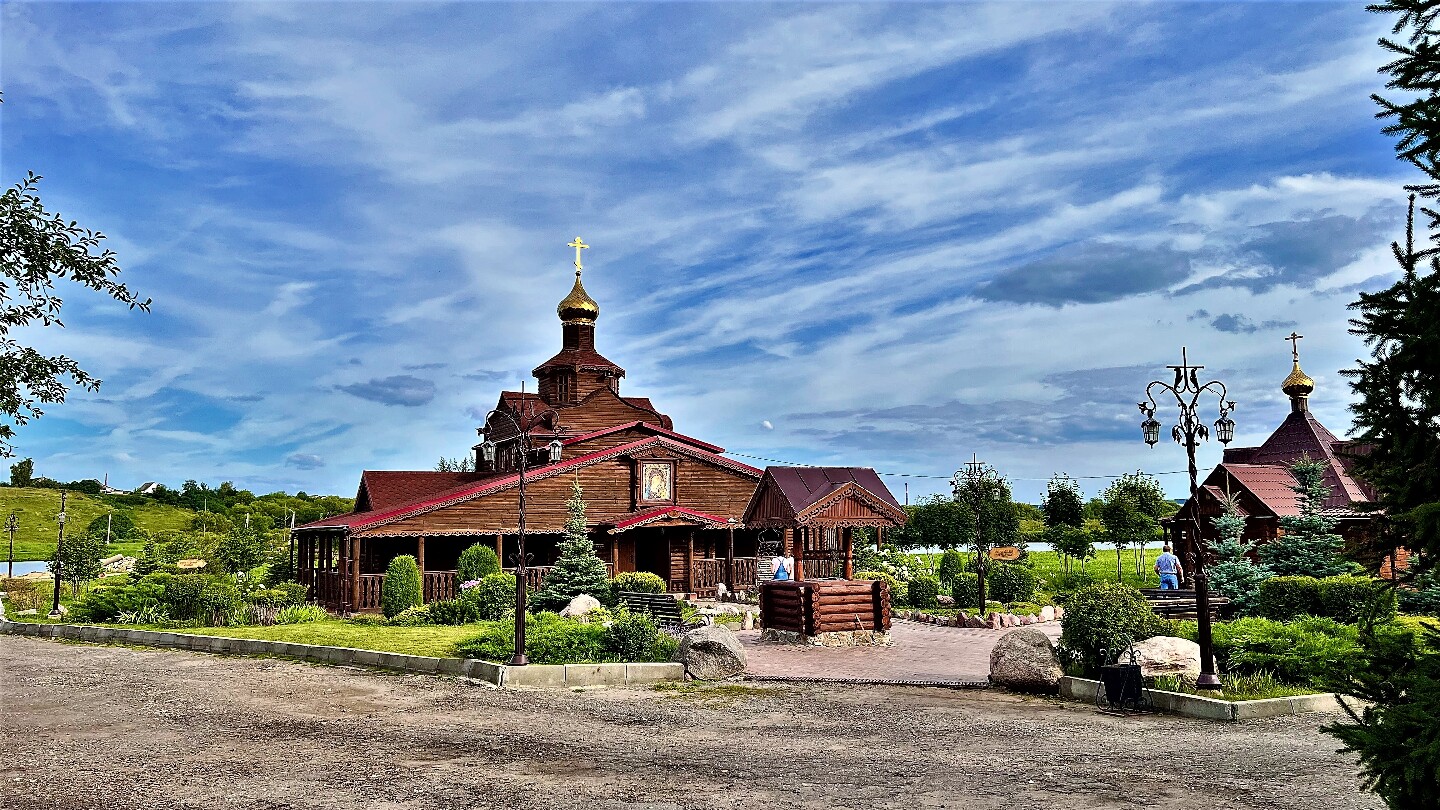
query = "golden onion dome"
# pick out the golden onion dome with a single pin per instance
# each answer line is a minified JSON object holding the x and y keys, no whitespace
{"x":1298,"y":383}
{"x":578,"y":306}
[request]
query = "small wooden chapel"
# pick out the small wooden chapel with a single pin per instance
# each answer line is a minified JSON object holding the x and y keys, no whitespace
{"x":657,"y":500}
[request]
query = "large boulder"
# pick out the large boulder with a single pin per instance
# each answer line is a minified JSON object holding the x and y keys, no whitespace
{"x":711,"y":653}
{"x":580,"y":605}
{"x":1167,"y":655}
{"x":1025,"y":660}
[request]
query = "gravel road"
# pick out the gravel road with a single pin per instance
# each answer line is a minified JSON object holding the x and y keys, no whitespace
{"x":111,"y":727}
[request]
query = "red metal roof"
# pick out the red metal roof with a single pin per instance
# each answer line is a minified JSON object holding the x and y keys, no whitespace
{"x":804,"y":486}
{"x":387,"y":489}
{"x":1272,"y":484}
{"x":490,"y":483}
{"x":644,"y":426}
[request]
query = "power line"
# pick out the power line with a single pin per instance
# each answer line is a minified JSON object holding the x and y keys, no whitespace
{"x":945,"y":477}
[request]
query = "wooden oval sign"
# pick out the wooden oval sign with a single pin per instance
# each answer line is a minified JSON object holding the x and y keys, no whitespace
{"x":1005,"y":553}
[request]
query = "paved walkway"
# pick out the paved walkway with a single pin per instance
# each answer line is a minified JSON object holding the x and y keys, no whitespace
{"x":921,"y":653}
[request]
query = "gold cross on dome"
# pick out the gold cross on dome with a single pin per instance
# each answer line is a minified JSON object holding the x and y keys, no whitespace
{"x":1295,"y":345}
{"x":579,"y":245}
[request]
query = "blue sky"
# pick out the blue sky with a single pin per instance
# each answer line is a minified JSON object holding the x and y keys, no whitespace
{"x":887,"y":235}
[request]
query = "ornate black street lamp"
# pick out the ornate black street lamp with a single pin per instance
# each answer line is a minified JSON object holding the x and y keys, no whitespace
{"x":1188,"y":431}
{"x":526,"y":447}
{"x":976,"y":485}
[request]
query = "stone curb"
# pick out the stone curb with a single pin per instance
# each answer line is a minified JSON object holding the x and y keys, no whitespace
{"x":566,"y":676}
{"x":1086,"y":690}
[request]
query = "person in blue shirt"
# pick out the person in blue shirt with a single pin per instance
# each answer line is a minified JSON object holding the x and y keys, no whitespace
{"x":1167,"y":565}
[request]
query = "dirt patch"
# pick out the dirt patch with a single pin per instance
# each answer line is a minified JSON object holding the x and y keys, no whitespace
{"x":113,"y":727}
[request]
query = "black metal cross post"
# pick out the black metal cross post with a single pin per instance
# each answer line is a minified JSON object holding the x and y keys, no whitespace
{"x":1188,"y":431}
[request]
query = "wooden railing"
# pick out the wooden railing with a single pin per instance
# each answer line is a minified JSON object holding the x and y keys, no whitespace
{"x":440,"y":585}
{"x":711,"y":571}
{"x":369,"y":596}
{"x":824,"y":568}
{"x":535,"y":574}
{"x":747,"y":571}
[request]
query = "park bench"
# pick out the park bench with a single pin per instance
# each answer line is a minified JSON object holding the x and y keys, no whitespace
{"x":1172,"y":604}
{"x":662,"y":608}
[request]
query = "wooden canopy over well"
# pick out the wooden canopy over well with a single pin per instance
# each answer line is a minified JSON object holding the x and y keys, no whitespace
{"x":818,"y":508}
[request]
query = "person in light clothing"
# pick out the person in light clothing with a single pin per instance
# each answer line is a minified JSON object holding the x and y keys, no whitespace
{"x":1167,"y":565}
{"x":777,"y":564}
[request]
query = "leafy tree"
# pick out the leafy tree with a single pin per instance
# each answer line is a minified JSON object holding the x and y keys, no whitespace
{"x":78,"y":560}
{"x":38,"y":247}
{"x":240,"y":549}
{"x":1309,"y":546}
{"x":1133,"y":506}
{"x":1062,"y":505}
{"x":1072,"y":543}
{"x":1232,"y":575}
{"x":22,"y":473}
{"x":994,"y":521}
{"x":577,"y":570}
{"x":933,"y":522}
{"x":460,"y":464}
{"x":113,"y":525}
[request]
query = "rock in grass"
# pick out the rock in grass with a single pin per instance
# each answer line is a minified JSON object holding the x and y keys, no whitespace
{"x":711,"y":653}
{"x":1024,"y":660}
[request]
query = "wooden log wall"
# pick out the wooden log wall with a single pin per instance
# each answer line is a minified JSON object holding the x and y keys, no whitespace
{"x":829,"y":606}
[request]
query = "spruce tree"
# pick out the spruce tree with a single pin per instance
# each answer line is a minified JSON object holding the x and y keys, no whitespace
{"x":577,"y":570}
{"x":1309,"y":547}
{"x":1233,"y":575}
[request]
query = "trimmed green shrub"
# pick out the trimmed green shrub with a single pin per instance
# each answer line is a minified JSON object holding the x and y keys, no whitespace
{"x":300,"y":614}
{"x":952,"y":562}
{"x":1349,"y":599}
{"x":477,"y":562}
{"x":549,"y":639}
{"x":401,"y":588}
{"x":1285,"y":598}
{"x":965,"y":590}
{"x":637,"y":582}
{"x":1305,"y":652}
{"x":1011,"y":582}
{"x":924,"y":591}
{"x":209,"y":600}
{"x":266,"y":597}
{"x":633,"y":637}
{"x":453,"y":611}
{"x":295,"y":593}
{"x":898,"y":590}
{"x":1104,"y":619}
{"x":493,"y":596}
{"x":414,"y":616}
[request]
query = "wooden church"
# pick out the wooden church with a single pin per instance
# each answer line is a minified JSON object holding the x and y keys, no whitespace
{"x":658,"y":500}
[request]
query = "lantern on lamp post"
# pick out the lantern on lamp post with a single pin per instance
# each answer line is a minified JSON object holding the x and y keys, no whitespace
{"x":524,"y":449}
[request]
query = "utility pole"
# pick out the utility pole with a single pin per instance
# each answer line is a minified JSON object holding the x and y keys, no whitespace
{"x":109,"y":520}
{"x":59,"y":545}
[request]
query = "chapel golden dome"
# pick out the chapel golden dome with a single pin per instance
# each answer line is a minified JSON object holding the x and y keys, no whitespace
{"x":1298,"y":383}
{"x":578,"y":306}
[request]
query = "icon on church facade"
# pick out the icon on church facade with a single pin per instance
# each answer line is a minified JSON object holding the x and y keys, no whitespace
{"x":655,"y":483}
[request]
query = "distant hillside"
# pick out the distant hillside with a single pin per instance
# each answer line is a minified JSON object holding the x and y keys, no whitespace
{"x":36,"y":510}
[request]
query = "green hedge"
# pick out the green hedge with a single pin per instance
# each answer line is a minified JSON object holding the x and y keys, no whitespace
{"x":1346,"y":599}
{"x":1101,"y":620}
{"x":1284,"y":598}
{"x":1011,"y":582}
{"x":549,"y":639}
{"x":453,"y":611}
{"x":401,"y":588}
{"x":1305,"y":652}
{"x":924,"y":591}
{"x":965,"y":590}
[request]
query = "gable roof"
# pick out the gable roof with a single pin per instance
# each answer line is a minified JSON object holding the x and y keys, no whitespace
{"x":668,"y":513}
{"x":1301,"y":434}
{"x":642,"y":425}
{"x":805,"y":491}
{"x":487,"y":484}
{"x":387,"y":489}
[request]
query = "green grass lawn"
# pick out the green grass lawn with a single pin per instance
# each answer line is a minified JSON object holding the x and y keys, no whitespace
{"x":36,"y":510}
{"x":1047,"y":564}
{"x":432,"y":640}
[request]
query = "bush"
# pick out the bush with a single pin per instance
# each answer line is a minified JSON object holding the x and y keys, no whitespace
{"x":632,"y":637}
{"x":952,"y":562}
{"x":413,"y":616}
{"x":1071,"y":581}
{"x":1285,"y":598}
{"x":1349,"y":599}
{"x":549,"y":639}
{"x":1104,"y":619}
{"x":1010,"y":582}
{"x":300,"y":614}
{"x":637,"y":582}
{"x":897,"y":588}
{"x":1424,"y":600}
{"x":105,"y":603}
{"x":266,"y":597}
{"x":493,"y":596}
{"x":1024,"y":608}
{"x":1305,"y":652}
{"x":965,"y":590}
{"x":924,"y":591}
{"x":294,"y":593}
{"x":453,"y":611}
{"x":477,"y":562}
{"x":401,"y":588}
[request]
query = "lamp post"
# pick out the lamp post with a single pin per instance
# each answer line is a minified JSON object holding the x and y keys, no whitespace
{"x":1189,"y":429}
{"x":975,"y":485}
{"x":553,"y":453}
{"x":730,"y":556}
{"x":12,"y":524}
{"x":59,"y":544}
